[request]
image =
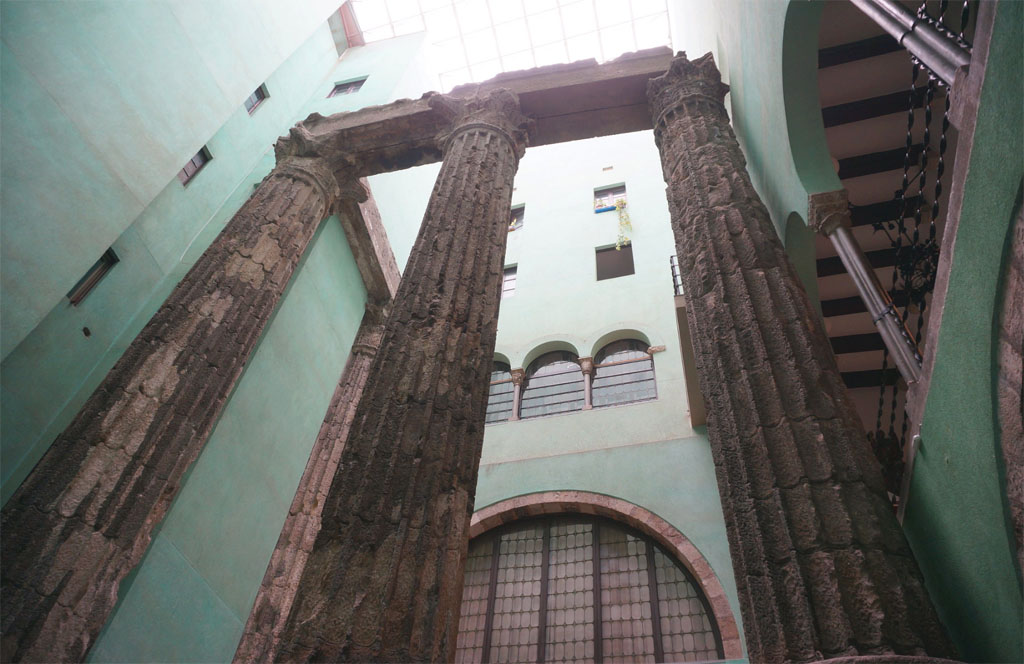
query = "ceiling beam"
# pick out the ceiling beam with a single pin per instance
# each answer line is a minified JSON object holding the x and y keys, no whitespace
{"x":864,"y":215}
{"x":870,"y":378}
{"x":858,"y":50}
{"x":876,"y":162}
{"x":872,"y":107}
{"x":845,"y":306}
{"x":833,"y":265}
{"x":857,"y":343}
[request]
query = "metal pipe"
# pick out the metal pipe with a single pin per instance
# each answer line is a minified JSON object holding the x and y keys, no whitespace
{"x":940,"y":52}
{"x":887,"y":319}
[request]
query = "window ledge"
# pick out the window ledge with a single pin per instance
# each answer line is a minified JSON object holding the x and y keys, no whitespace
{"x":607,"y":208}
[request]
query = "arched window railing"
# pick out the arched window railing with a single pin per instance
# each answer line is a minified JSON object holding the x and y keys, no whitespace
{"x":554,"y":384}
{"x":499,"y":397}
{"x":623,"y":373}
{"x":577,"y":588}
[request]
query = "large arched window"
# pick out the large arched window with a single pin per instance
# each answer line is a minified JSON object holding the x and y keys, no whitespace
{"x":623,"y":373}
{"x":578,"y":588}
{"x":499,"y":397}
{"x":554,"y":384}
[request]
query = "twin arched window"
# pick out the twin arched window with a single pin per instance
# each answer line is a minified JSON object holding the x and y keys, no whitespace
{"x":623,"y":372}
{"x":573,"y":588}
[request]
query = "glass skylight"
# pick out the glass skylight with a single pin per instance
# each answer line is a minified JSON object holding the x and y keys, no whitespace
{"x":472,"y":40}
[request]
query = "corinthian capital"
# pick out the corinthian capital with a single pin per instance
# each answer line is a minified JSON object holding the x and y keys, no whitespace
{"x":685,"y":80}
{"x":497,"y":110}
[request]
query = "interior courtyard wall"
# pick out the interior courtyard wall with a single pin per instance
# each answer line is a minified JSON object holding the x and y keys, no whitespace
{"x":47,"y":377}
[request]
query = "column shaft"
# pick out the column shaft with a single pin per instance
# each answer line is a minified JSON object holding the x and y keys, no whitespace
{"x":384,"y":579}
{"x":84,"y":516}
{"x":822,"y":567}
{"x":280,"y":583}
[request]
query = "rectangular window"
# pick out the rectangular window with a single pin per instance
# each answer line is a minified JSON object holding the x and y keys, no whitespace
{"x":508,"y":284}
{"x":93,"y":276}
{"x":515,"y":221}
{"x":612,"y":262}
{"x":194,"y":165}
{"x":605,"y":198}
{"x":347,"y":87}
{"x":256,"y":98}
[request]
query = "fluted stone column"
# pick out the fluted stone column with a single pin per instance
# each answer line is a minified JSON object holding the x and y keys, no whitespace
{"x":822,"y":568}
{"x":280,"y":583}
{"x":84,"y":516}
{"x":384,"y":579}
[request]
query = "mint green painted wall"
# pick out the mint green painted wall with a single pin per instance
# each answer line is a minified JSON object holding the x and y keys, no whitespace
{"x":956,"y":519}
{"x":193,"y":591}
{"x":103,"y":102}
{"x":47,"y":377}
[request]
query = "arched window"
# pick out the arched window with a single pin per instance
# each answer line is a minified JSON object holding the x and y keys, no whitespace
{"x":579,"y":588}
{"x":499,"y":398}
{"x":554,"y":384}
{"x":623,"y":372}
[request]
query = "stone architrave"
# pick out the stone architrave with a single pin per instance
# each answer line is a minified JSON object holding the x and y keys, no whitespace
{"x":85,"y":515}
{"x":280,"y":583}
{"x":822,"y":568}
{"x":384,"y":579}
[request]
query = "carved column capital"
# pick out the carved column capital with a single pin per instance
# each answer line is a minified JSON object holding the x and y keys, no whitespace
{"x":497,"y":111}
{"x":686,"y":80}
{"x":827,"y":211}
{"x":587,"y":365}
{"x":299,"y":155}
{"x":518,"y":376}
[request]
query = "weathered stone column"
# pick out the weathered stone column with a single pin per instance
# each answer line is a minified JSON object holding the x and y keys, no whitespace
{"x":518,"y":376}
{"x":587,"y":367}
{"x":384,"y":579}
{"x":83,"y":518}
{"x":822,"y":567}
{"x":280,"y":583}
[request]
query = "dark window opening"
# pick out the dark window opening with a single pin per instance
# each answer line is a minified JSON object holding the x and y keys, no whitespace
{"x":500,"y":394}
{"x":515,"y":221}
{"x":347,"y":87}
{"x":575,"y":588}
{"x":256,"y":98}
{"x":194,"y":165}
{"x":508,"y":282}
{"x":612,"y":262}
{"x":606,"y":197}
{"x":92,"y":277}
{"x":554,"y":384}
{"x":623,"y":373}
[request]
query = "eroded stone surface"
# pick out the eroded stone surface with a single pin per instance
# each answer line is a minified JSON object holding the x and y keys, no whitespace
{"x":384,"y":579}
{"x":822,"y":568}
{"x":84,"y":516}
{"x":1010,"y":386}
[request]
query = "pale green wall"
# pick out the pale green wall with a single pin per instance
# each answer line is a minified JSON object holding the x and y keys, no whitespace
{"x":956,"y":517}
{"x":103,"y":102}
{"x":47,"y":377}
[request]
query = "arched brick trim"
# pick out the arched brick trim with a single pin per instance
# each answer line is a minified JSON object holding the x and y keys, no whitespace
{"x":647,"y":522}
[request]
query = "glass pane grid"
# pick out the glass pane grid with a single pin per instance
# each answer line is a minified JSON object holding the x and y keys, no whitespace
{"x":553,"y":386}
{"x":517,"y":596}
{"x":499,"y":401}
{"x":619,"y":381}
{"x":626,"y":626}
{"x":687,"y":634}
{"x":570,"y":612}
{"x":473,"y":613}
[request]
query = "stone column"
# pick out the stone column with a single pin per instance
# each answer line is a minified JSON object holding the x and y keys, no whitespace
{"x":84,"y":516}
{"x":280,"y":583}
{"x":587,"y":367}
{"x":384,"y":579}
{"x":518,"y":376}
{"x":822,"y":568}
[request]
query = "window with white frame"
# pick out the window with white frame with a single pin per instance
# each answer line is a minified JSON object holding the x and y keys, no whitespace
{"x":508,"y":282}
{"x":606,"y":198}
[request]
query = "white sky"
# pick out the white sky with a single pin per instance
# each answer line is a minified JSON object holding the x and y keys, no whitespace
{"x":472,"y":40}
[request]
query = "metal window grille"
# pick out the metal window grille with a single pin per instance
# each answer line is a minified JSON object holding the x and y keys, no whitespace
{"x":573,"y":588}
{"x":500,"y":394}
{"x":508,"y":283}
{"x":256,"y":98}
{"x":554,"y":384}
{"x":677,"y":275}
{"x":614,"y":262}
{"x":607,"y":197}
{"x":347,"y":88}
{"x":515,"y":221}
{"x":194,"y":165}
{"x":93,"y":276}
{"x":623,"y":373}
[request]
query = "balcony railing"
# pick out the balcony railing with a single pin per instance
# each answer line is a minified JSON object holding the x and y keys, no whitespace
{"x":677,"y":276}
